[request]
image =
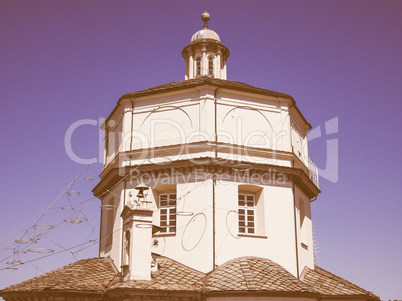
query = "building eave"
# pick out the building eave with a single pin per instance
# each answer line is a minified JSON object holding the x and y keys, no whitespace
{"x":297,"y":175}
{"x":348,"y":297}
{"x":259,"y":293}
{"x":163,"y":294}
{"x":50,"y":293}
{"x":191,"y":83}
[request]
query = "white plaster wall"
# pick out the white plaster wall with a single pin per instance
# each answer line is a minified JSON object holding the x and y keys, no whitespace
{"x":166,"y":125}
{"x":183,"y":115}
{"x":250,"y":121}
{"x":114,"y":140}
{"x":188,"y":117}
{"x":207,"y":112}
{"x":192,"y":243}
{"x":113,"y":250}
{"x":276,"y":241}
{"x":299,"y":141}
{"x":306,"y":256}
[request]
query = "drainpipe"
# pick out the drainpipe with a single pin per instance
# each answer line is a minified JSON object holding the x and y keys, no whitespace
{"x":122,"y":223}
{"x":132,"y":123}
{"x":295,"y":221}
{"x":214,"y":183}
{"x":100,"y":229}
{"x":106,"y":145}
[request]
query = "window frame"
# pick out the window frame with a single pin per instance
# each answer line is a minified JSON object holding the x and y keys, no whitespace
{"x":170,"y":215}
{"x":246,"y":213}
{"x":198,"y":66}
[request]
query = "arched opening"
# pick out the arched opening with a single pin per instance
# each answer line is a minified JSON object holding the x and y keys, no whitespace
{"x":210,"y":66}
{"x":198,"y":67}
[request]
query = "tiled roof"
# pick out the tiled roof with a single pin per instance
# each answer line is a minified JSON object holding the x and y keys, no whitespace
{"x":253,"y":274}
{"x":89,"y":275}
{"x":328,"y":284}
{"x":205,"y":80}
{"x":171,"y":276}
{"x":245,"y":274}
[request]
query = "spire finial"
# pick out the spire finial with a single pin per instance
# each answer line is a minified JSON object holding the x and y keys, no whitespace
{"x":205,"y":17}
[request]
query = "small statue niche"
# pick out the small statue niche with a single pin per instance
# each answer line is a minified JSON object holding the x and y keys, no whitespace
{"x":127,"y":247}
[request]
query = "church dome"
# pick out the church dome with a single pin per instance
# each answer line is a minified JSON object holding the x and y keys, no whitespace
{"x":205,"y":33}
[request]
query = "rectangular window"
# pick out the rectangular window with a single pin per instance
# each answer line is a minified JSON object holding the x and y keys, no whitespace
{"x":246,"y":213}
{"x":167,"y":206}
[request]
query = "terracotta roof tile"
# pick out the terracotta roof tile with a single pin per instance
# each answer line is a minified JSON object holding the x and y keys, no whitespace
{"x":171,"y":275}
{"x":97,"y":275}
{"x":90,"y":275}
{"x":328,"y":284}
{"x":252,"y":274}
{"x":205,"y":80}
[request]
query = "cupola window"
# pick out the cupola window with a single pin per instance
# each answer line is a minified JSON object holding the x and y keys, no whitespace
{"x":211,"y":65}
{"x":198,"y":66}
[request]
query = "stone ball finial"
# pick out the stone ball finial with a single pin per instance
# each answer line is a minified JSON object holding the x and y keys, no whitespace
{"x":205,"y":17}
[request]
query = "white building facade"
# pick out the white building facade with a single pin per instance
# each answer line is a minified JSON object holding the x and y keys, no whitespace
{"x":227,"y":166}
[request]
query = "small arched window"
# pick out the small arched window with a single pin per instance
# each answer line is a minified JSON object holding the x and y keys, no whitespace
{"x":210,"y":65}
{"x":198,"y":66}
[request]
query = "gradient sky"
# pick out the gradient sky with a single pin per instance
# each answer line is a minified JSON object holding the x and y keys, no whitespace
{"x":64,"y":61}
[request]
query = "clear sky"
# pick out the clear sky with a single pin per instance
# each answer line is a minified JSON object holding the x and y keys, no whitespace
{"x":64,"y":61}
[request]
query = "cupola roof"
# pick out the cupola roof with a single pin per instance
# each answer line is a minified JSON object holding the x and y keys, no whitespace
{"x":205,"y":33}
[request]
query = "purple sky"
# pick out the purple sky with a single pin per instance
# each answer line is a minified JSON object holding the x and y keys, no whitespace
{"x":63,"y":61}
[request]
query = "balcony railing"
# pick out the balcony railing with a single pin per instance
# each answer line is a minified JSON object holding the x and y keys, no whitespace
{"x":313,"y":170}
{"x":311,"y":166}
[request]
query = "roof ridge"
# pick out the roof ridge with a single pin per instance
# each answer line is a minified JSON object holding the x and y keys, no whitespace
{"x":236,"y":85}
{"x":179,"y":263}
{"x":247,"y":274}
{"x":329,"y":284}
